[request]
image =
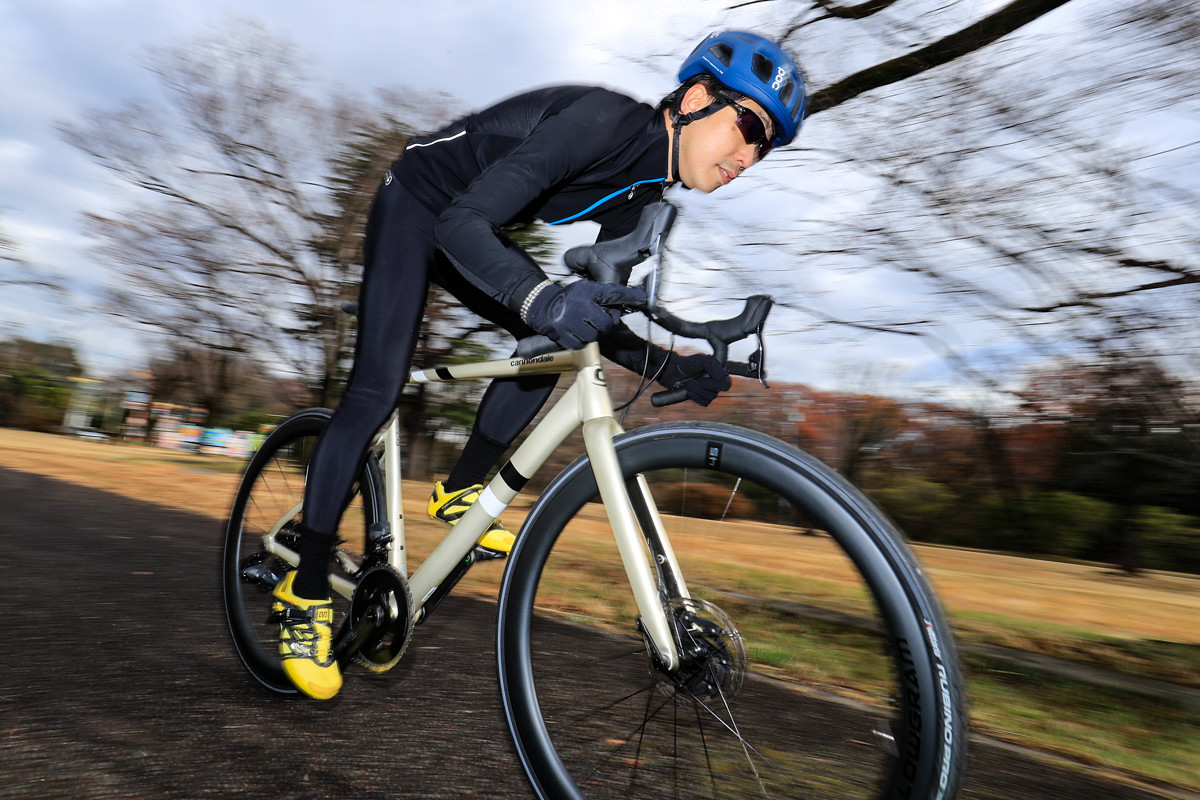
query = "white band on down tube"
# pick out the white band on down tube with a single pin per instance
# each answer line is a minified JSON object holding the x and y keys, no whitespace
{"x":493,"y":505}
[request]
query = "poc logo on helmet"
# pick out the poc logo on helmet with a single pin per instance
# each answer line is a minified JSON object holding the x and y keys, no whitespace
{"x":780,"y":75}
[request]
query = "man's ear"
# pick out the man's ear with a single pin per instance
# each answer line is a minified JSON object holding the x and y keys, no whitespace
{"x":695,"y":98}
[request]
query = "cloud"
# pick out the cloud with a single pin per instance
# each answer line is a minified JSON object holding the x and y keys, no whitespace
{"x":16,"y":154}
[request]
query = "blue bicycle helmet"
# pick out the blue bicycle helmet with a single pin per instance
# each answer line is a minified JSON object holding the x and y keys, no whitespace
{"x":757,"y":68}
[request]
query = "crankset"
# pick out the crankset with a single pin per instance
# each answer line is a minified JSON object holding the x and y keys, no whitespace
{"x":379,"y":623}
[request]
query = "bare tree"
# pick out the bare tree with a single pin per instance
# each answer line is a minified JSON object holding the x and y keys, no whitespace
{"x":10,"y":260}
{"x":986,"y":177}
{"x":16,"y":271}
{"x":227,"y":386}
{"x":234,"y":236}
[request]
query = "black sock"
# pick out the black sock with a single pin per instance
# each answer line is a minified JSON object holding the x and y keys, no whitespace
{"x":312,"y":574}
{"x":478,"y":457}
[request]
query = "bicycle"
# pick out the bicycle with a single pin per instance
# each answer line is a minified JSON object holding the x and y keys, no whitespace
{"x":666,"y":641}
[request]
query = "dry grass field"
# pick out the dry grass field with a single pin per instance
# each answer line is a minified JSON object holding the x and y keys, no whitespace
{"x":1059,"y":597}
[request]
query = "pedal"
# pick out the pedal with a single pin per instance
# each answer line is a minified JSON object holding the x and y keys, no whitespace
{"x":481,"y":553}
{"x":262,"y":570}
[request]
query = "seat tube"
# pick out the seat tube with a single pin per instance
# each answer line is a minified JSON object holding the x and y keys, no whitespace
{"x":398,"y":555}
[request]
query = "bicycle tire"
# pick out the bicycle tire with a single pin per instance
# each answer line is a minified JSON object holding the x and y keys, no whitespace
{"x":269,"y":497}
{"x":591,"y":716}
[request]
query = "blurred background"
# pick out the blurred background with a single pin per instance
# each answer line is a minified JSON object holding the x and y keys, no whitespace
{"x":982,"y":250}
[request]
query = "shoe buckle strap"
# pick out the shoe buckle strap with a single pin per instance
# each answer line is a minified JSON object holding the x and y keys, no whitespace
{"x":292,"y":615}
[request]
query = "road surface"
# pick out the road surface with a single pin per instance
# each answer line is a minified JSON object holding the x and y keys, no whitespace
{"x":118,"y":681}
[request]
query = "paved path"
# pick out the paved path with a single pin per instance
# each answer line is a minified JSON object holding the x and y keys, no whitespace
{"x":118,"y":681}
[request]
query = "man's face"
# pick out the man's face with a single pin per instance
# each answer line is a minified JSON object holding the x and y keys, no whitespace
{"x":712,"y":150}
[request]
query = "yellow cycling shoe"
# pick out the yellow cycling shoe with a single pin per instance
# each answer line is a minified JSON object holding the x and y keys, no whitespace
{"x":306,"y":641}
{"x":498,"y":539}
{"x":450,"y":506}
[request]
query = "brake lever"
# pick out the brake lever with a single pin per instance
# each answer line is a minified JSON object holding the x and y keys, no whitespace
{"x":755,"y":366}
{"x":757,"y":362}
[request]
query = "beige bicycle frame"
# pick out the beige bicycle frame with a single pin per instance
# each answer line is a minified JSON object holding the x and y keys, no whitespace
{"x":586,"y":403}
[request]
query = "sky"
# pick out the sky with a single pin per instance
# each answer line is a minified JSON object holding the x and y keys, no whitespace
{"x":61,"y":59}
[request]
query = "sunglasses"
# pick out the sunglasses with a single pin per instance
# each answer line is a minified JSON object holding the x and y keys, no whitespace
{"x":751,"y":127}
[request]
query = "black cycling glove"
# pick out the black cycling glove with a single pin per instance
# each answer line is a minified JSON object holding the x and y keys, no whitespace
{"x":577,"y":313}
{"x":702,"y":375}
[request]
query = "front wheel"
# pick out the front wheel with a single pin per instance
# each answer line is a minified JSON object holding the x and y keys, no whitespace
{"x":818,"y":663}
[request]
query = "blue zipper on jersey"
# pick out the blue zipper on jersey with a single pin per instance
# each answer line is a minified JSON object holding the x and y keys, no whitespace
{"x":605,"y":199}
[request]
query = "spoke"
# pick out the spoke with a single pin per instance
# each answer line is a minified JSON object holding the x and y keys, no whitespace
{"x":712,"y":775}
{"x":746,"y":748}
{"x":732,"y":494}
{"x":588,"y":714}
{"x":675,"y":747}
{"x":731,"y":726}
{"x":650,"y":713}
{"x":635,"y":652}
{"x":683,"y":495}
{"x":637,"y":755}
{"x":638,"y":732}
{"x":268,"y":487}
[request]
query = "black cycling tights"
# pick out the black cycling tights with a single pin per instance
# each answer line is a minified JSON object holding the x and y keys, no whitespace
{"x":400,"y":259}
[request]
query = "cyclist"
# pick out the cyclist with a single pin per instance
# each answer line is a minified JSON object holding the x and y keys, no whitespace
{"x":558,"y":155}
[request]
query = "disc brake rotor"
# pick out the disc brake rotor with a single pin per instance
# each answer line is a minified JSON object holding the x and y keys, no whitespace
{"x":712,"y":653}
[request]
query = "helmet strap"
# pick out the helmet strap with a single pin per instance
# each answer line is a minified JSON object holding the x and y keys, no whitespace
{"x":676,"y":126}
{"x":678,"y":120}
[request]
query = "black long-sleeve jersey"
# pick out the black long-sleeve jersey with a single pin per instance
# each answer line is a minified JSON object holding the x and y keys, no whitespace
{"x":557,"y":154}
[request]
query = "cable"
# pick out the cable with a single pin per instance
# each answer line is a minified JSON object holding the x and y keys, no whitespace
{"x":645,"y":381}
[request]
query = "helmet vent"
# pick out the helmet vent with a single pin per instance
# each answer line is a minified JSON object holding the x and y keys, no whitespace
{"x":762,"y":67}
{"x":723,"y":53}
{"x":785,"y":91}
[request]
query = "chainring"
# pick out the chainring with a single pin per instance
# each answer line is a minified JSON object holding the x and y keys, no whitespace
{"x":382,"y":589}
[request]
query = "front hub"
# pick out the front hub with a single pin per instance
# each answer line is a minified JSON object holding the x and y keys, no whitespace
{"x":712,"y":654}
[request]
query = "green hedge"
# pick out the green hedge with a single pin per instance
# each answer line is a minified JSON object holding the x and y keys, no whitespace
{"x":1062,"y":524}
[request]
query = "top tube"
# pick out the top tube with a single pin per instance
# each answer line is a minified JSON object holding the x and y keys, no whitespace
{"x":558,"y":361}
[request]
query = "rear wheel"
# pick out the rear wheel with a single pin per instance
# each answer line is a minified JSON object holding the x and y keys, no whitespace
{"x":816,"y":660}
{"x":266,"y":510}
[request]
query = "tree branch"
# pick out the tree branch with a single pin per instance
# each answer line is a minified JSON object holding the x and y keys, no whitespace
{"x":860,"y":11}
{"x":968,"y":40}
